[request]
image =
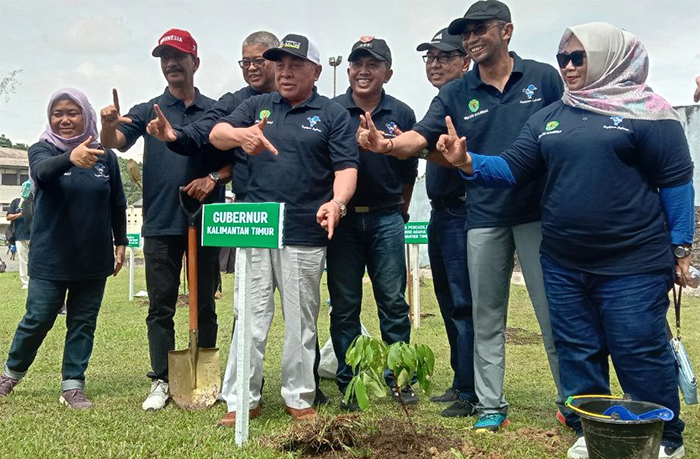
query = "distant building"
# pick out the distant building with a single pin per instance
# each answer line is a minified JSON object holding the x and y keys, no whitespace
{"x":134,"y":217}
{"x":14,"y":170}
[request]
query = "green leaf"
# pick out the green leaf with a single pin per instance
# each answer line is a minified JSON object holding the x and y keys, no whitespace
{"x":361,"y":393}
{"x":349,"y":390}
{"x":404,"y":378}
{"x":394,"y":357}
{"x":374,"y":387}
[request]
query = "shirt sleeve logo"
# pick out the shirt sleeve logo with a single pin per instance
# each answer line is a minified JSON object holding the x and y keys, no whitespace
{"x":473,"y":105}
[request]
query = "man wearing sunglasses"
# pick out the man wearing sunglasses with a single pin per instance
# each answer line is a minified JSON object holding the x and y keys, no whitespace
{"x":490,"y":105}
{"x":445,"y":60}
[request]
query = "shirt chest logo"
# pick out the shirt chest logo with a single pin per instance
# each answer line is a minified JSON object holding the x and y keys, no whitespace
{"x":265,"y":113}
{"x":530,"y":92}
{"x":616,"y":119}
{"x":313,"y":121}
{"x":550,"y":129}
{"x":100,"y":170}
{"x":474,"y":107}
{"x":390,"y":129}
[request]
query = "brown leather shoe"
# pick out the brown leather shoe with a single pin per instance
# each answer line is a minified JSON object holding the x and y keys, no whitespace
{"x":229,"y":420}
{"x":302,"y":414}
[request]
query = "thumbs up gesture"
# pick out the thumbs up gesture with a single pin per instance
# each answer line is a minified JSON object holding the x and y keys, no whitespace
{"x":160,"y":127}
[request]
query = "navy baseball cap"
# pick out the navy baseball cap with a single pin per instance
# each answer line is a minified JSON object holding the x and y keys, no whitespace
{"x":375,"y":47}
{"x":481,"y":11}
{"x":443,"y":41}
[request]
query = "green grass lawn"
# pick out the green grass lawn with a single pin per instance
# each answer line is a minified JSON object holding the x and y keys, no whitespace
{"x":35,"y":425}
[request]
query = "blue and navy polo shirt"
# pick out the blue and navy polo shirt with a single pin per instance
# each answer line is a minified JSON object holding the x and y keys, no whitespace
{"x":381,"y":178}
{"x":314,"y":140}
{"x":601,"y":211}
{"x":195,"y":136}
{"x":491,"y":120}
{"x":165,"y":171}
{"x":79,"y":215}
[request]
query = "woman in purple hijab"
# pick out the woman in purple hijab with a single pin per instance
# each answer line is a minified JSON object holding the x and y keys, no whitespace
{"x":78,"y":241}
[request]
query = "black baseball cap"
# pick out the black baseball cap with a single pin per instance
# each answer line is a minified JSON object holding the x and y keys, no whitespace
{"x":481,"y":11}
{"x":296,"y":45}
{"x":375,"y":47}
{"x":443,"y":41}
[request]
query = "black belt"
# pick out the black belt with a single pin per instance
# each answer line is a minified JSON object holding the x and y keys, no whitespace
{"x":439,"y":204}
{"x":367,"y":209}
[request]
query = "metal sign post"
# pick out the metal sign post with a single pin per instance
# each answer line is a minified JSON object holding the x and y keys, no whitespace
{"x":415,"y":233}
{"x":244,"y":225}
{"x":134,"y":241}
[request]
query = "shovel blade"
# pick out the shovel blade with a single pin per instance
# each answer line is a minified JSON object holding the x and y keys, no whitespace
{"x":194,"y":377}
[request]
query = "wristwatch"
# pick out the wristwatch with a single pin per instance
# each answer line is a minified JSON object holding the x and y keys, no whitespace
{"x":343,"y":207}
{"x":214,"y":176}
{"x":681,"y":251}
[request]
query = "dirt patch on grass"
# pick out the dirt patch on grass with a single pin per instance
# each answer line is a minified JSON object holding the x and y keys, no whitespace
{"x":520,"y":337}
{"x":352,"y":437}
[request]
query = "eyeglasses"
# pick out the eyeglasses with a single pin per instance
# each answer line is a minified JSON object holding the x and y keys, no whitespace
{"x":576,"y":58}
{"x":441,"y":58}
{"x":480,"y":29}
{"x":257,"y":63}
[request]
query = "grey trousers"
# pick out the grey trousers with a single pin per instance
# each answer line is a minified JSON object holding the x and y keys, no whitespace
{"x":490,"y":256}
{"x":296,"y":272}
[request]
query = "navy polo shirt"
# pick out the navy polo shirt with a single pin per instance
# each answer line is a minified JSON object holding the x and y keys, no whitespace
{"x":195,"y":136}
{"x":21,"y":233}
{"x":491,"y":120}
{"x":314,"y":139}
{"x":601,"y":210}
{"x":381,"y":178}
{"x":79,"y":215}
{"x":165,"y":171}
{"x":443,"y":183}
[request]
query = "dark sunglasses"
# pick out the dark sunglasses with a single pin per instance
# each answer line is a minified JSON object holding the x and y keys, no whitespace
{"x":576,"y":58}
{"x":481,"y":29}
{"x":258,"y":63}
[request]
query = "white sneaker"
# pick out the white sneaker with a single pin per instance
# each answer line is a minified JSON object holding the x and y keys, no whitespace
{"x":578,"y":450}
{"x":158,"y":397}
{"x":666,"y":452}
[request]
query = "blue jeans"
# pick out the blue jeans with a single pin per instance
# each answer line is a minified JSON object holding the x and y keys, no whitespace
{"x":374,"y":240}
{"x":44,"y":300}
{"x":624,"y":317}
{"x":447,"y":249}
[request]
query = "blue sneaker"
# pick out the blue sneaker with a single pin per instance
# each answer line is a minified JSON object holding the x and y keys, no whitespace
{"x":491,"y":422}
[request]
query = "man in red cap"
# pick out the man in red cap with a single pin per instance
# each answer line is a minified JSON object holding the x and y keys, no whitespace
{"x":164,"y":225}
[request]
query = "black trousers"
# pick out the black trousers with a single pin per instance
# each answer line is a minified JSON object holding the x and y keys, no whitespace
{"x":163,"y":256}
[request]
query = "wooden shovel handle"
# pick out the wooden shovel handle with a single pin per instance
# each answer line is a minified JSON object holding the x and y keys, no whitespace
{"x":192,"y":276}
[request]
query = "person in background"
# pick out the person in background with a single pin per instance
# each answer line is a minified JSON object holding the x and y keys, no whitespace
{"x":446,"y":60}
{"x":15,"y":215}
{"x":79,"y":240}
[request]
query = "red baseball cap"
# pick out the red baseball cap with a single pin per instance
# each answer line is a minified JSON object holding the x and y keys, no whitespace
{"x":178,"y":39}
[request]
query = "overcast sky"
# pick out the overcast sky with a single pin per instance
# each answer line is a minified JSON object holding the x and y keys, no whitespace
{"x":96,"y":45}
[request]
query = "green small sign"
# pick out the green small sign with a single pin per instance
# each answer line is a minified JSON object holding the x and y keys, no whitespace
{"x":134,"y":240}
{"x":257,"y":225}
{"x":416,"y":233}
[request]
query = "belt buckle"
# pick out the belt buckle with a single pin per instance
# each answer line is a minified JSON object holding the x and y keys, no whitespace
{"x":361,"y":209}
